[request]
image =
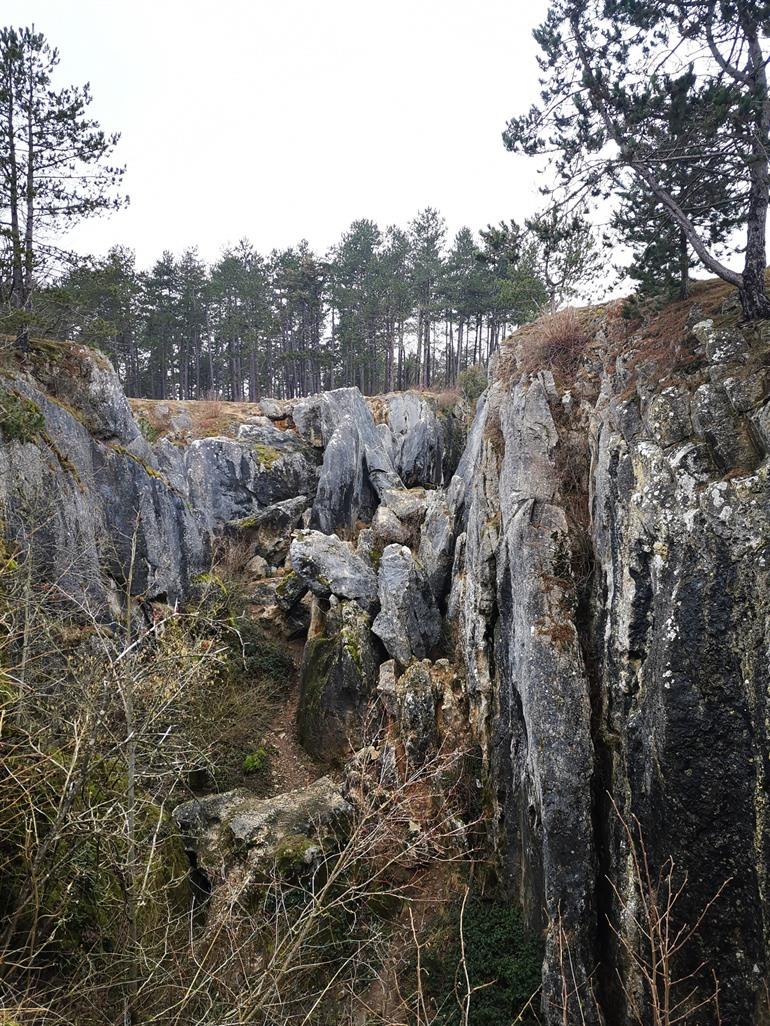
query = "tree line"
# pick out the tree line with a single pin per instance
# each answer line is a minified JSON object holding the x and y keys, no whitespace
{"x":382,"y":310}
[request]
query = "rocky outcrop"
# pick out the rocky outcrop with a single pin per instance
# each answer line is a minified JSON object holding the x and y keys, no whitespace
{"x":596,"y":564}
{"x":356,"y":468}
{"x":423,"y":440}
{"x":610,"y":602}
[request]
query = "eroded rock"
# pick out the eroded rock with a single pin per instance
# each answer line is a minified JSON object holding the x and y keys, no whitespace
{"x":408,"y":624}
{"x":328,"y":566}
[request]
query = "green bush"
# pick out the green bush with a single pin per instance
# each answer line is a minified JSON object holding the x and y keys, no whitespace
{"x":256,"y":761}
{"x":502,"y":957}
{"x":472,"y":381}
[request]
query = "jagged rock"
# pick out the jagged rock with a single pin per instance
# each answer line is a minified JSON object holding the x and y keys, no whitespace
{"x":526,"y":679}
{"x":725,"y":346}
{"x":437,"y":542}
{"x":272,"y":409}
{"x":408,"y":624}
{"x":408,"y":505}
{"x":258,"y":566}
{"x":727,"y":436}
{"x":386,"y":686}
{"x":306,"y":414}
{"x":387,"y":528}
{"x":418,"y":439}
{"x":328,"y":566}
{"x":356,"y":467}
{"x":228,"y":479}
{"x":269,"y":530}
{"x":283,"y":833}
{"x":337,"y":680}
{"x":343,"y":493}
{"x":415,"y":702}
{"x":84,"y":493}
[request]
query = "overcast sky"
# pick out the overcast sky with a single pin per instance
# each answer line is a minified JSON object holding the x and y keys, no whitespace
{"x":283,"y":119}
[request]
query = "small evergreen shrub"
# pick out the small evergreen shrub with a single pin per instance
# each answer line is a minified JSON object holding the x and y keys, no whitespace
{"x":472,"y":381}
{"x":256,"y":761}
{"x":20,"y":418}
{"x":502,"y":958}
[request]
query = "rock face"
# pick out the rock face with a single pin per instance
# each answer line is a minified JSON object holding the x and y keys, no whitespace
{"x":337,"y":681}
{"x":610,"y":597}
{"x":424,"y":441}
{"x":408,"y":624}
{"x":356,"y":467}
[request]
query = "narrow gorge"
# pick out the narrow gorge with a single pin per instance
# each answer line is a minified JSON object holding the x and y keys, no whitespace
{"x":540,"y":619}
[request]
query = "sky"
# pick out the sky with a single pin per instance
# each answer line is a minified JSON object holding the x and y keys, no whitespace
{"x":278,"y":120}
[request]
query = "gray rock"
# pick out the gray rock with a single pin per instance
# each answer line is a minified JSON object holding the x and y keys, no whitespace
{"x":269,"y":530}
{"x":437,"y":543}
{"x":415,"y":702}
{"x":328,"y":566}
{"x":283,"y":833}
{"x":715,"y":421}
{"x":418,"y":439}
{"x":386,"y":686}
{"x":408,"y":624}
{"x":337,"y":681}
{"x":388,"y":528}
{"x":668,"y":417}
{"x":356,"y":468}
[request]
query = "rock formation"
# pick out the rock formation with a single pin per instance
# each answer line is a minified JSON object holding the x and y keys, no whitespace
{"x":584,"y":590}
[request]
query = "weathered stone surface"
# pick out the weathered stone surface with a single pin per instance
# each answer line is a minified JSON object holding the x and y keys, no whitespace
{"x":726,"y":434}
{"x":388,"y":529}
{"x":418,"y":439}
{"x":228,"y":479}
{"x":513,"y":603}
{"x":437,"y":543}
{"x":269,"y":530}
{"x":668,"y":417}
{"x":415,"y":702}
{"x":83,"y":492}
{"x":328,"y":566}
{"x":282,"y":833}
{"x":343,"y":493}
{"x":337,"y":681}
{"x":356,"y":467}
{"x":621,"y":646}
{"x":408,"y":624}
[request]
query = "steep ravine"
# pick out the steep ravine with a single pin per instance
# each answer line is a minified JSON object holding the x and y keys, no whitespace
{"x":577,"y":578}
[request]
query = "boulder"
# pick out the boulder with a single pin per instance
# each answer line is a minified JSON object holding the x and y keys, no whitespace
{"x":408,"y":624}
{"x":269,"y":530}
{"x":328,"y":566}
{"x":229,"y":480}
{"x":283,"y":833}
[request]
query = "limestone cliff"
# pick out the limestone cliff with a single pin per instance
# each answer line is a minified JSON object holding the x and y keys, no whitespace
{"x":580,"y":581}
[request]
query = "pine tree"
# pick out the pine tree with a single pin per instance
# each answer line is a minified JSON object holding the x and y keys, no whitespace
{"x":607,"y":67}
{"x":54,"y":169}
{"x":427,"y":233}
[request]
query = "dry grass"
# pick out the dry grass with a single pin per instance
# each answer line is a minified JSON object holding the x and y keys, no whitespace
{"x":210,"y":417}
{"x":555,"y":342}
